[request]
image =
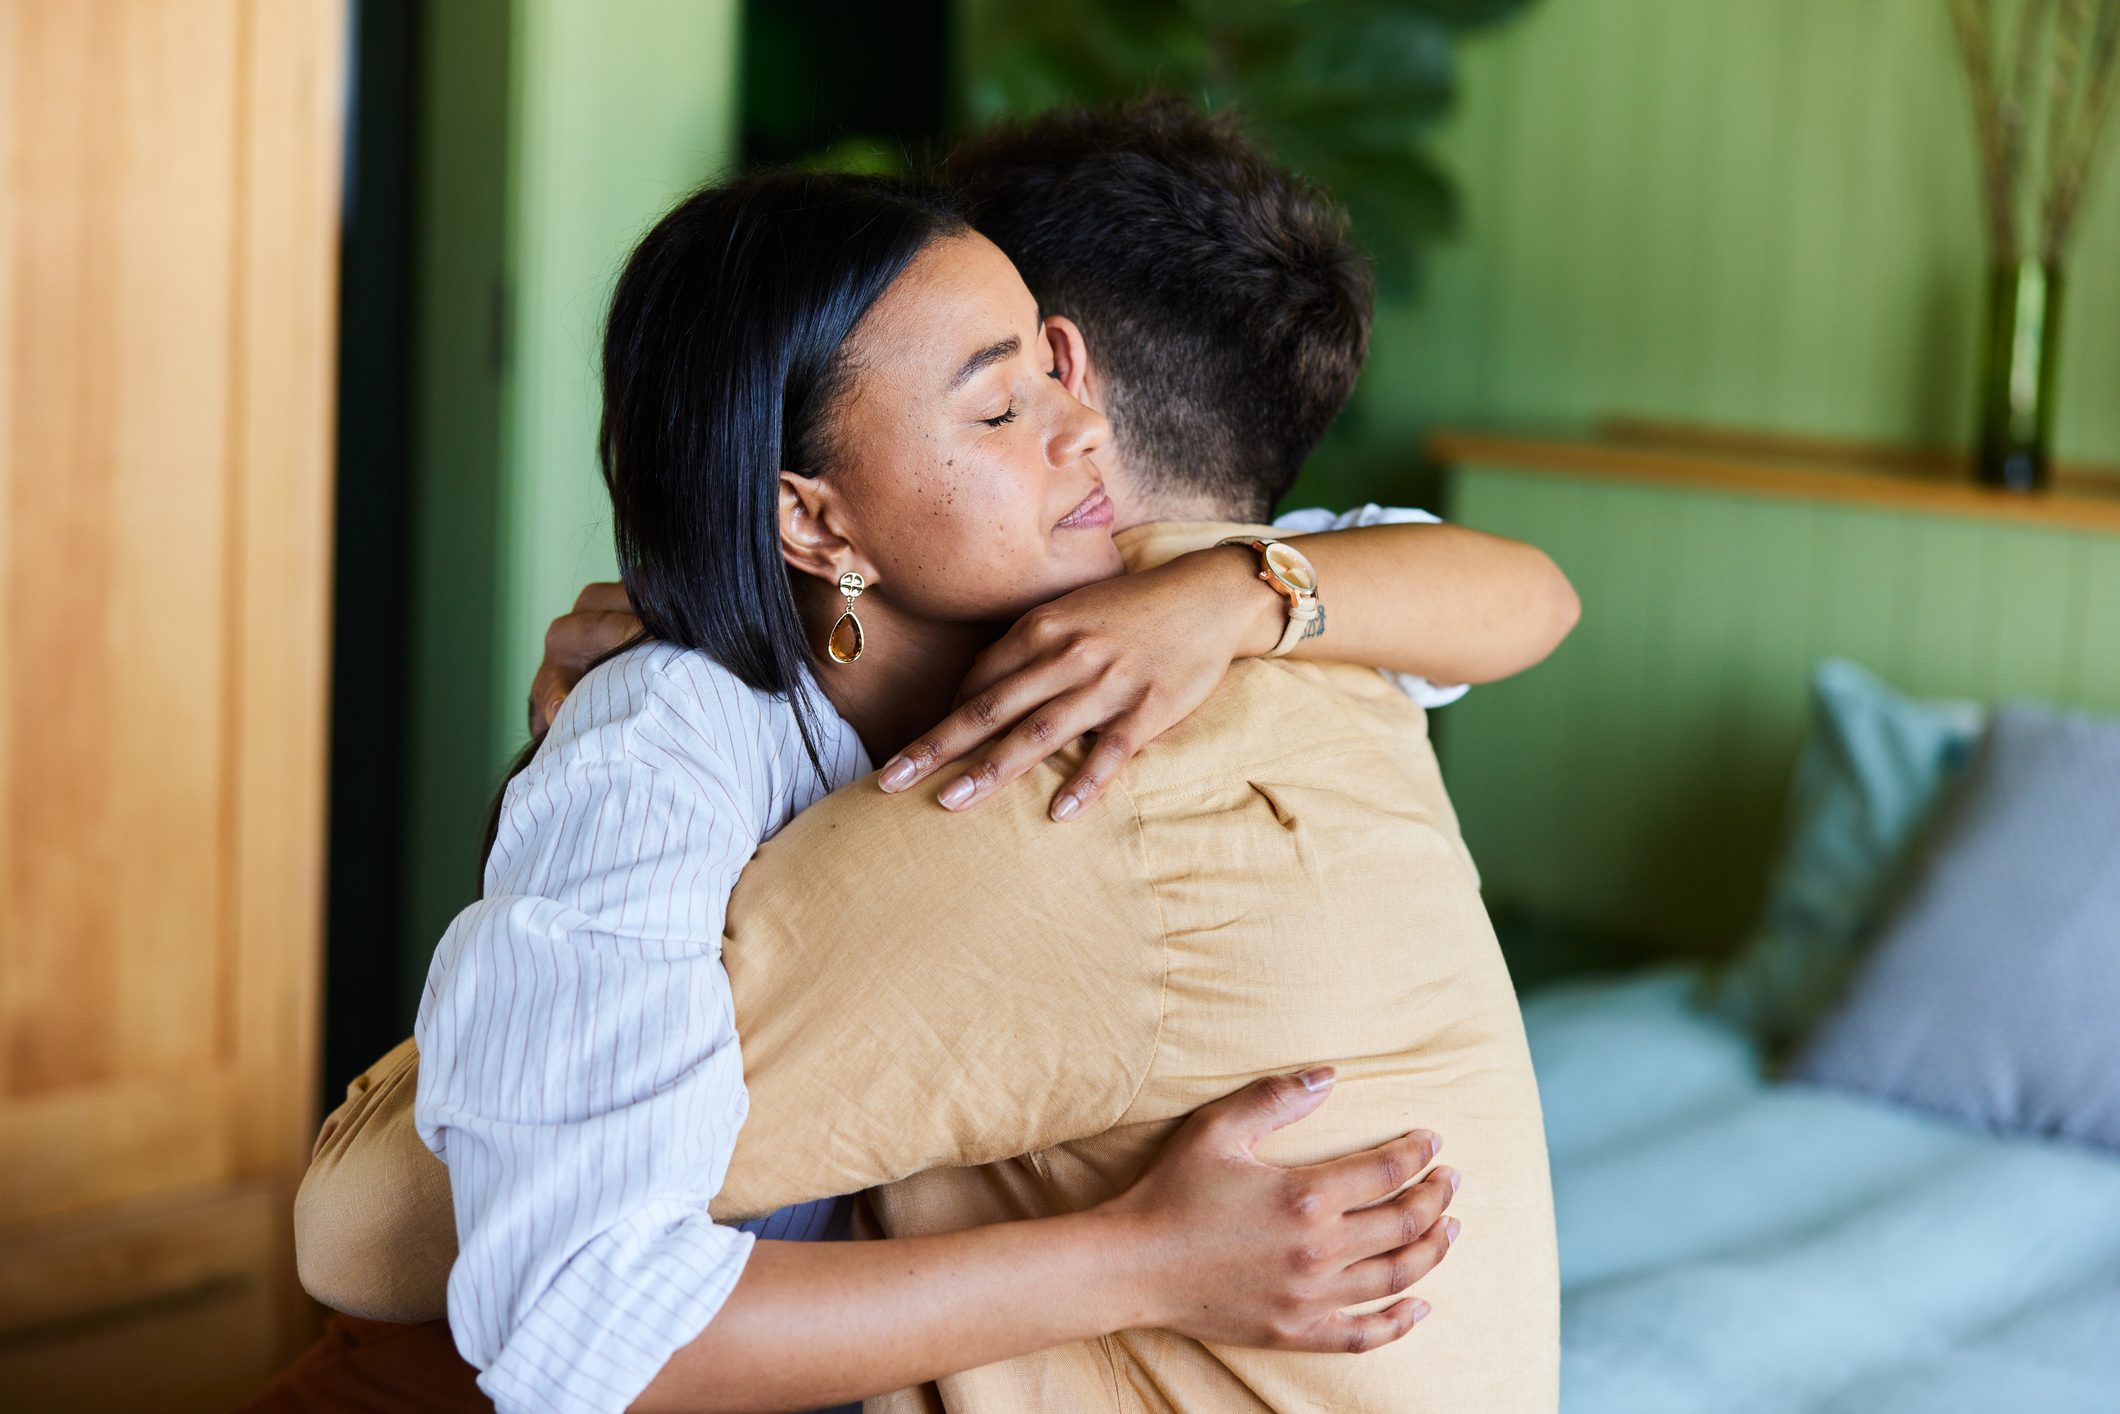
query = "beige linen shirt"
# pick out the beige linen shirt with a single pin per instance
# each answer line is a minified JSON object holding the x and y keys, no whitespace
{"x":999,"y":1017}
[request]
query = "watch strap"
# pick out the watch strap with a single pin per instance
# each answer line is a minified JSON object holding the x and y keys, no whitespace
{"x":1300,"y":618}
{"x":1303,"y":608}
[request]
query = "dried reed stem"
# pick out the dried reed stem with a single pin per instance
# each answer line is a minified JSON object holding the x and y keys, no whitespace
{"x":2075,"y":151}
{"x":1973,"y":21}
{"x":2064,"y":82}
{"x":2017,"y":98}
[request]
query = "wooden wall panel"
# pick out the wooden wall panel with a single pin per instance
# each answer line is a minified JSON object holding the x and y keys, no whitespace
{"x":1634,"y":783}
{"x":168,"y":230}
{"x":117,"y":448}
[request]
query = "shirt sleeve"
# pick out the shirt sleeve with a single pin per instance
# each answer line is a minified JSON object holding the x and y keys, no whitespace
{"x":1314,"y":519}
{"x":579,"y":1065}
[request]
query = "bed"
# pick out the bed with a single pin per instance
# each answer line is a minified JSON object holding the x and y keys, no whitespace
{"x":1729,"y":1244}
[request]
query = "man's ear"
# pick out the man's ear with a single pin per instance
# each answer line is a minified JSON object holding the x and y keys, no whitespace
{"x":1071,"y":359}
{"x":810,"y":534}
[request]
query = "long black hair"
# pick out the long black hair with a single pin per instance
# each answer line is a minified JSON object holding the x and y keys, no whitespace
{"x":723,"y":360}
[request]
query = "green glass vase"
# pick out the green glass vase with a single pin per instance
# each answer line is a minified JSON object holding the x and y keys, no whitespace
{"x":2017,"y":377}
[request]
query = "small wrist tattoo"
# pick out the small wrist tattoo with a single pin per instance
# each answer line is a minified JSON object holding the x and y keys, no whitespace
{"x":1316,"y":627}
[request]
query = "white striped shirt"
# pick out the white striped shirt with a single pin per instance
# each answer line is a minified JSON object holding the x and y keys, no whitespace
{"x":579,"y":1069}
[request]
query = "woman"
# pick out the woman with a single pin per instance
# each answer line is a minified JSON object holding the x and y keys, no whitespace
{"x":822,"y":395}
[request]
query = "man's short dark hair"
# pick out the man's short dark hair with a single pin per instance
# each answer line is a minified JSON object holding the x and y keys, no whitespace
{"x":1223,"y":301}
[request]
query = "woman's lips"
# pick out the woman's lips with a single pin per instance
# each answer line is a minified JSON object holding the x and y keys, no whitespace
{"x":1095,"y":511}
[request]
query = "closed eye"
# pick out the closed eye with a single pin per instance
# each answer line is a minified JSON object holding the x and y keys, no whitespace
{"x":1007,"y":417}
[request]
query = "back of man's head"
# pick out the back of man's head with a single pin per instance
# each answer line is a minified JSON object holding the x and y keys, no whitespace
{"x":1224,"y":305}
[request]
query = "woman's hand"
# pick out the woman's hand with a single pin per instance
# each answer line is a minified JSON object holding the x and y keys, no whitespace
{"x":1209,"y":1242}
{"x":1248,"y":1253}
{"x":1125,"y":658}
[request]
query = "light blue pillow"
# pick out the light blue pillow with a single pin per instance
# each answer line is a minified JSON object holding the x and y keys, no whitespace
{"x":1873,"y":766}
{"x":1993,"y":992}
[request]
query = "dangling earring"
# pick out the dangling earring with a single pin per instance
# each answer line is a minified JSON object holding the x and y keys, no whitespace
{"x":846,"y":640}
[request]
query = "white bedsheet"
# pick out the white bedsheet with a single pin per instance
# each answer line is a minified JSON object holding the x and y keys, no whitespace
{"x":1729,"y":1245}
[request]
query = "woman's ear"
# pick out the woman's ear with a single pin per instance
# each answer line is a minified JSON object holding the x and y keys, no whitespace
{"x":810,"y":538}
{"x":1071,"y":359}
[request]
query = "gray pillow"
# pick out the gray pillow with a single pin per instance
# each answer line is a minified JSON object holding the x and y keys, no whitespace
{"x":1993,"y":993}
{"x":1874,"y":764}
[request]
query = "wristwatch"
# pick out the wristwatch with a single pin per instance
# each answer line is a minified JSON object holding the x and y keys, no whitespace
{"x":1288,"y":572}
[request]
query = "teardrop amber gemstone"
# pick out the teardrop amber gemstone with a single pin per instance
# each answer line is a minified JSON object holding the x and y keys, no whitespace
{"x":846,"y":640}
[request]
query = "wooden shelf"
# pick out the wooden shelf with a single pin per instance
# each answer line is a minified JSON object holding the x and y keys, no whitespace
{"x":2083,"y":498}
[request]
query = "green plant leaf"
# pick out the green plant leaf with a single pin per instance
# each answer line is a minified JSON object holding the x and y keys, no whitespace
{"x":1343,"y":91}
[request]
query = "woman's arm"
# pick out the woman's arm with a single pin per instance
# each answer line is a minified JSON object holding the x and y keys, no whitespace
{"x":1129,"y":658}
{"x":1209,"y":1242}
{"x":580,"y":1071}
{"x":1439,"y":601}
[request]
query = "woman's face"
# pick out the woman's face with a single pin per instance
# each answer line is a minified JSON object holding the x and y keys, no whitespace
{"x":964,"y":478}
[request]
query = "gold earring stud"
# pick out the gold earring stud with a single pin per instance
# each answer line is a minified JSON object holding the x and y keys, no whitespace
{"x":847,"y":639}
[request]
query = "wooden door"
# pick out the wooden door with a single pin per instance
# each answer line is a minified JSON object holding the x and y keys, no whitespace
{"x":168,"y":226}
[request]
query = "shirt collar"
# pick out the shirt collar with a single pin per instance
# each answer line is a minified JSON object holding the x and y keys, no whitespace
{"x":1158,"y":542}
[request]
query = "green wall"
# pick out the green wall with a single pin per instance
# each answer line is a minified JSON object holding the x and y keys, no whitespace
{"x":1631,"y":786}
{"x":1758,"y":213}
{"x":553,"y":133}
{"x":459,"y":405}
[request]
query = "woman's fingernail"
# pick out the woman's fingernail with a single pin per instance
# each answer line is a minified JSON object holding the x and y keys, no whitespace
{"x":1420,"y":1310}
{"x":956,"y":793}
{"x":1435,"y":1141}
{"x":1316,"y":1079}
{"x":1450,"y":1231}
{"x":1454,"y":1178}
{"x":897,"y":774}
{"x":1065,"y":806}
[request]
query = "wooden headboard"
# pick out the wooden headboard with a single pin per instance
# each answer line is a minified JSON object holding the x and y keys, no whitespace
{"x":1632,"y":785}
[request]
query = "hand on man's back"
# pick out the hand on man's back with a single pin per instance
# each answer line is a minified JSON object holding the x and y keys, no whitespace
{"x":601,"y":621}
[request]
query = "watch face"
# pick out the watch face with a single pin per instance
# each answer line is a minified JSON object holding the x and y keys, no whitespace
{"x":1289,"y":566}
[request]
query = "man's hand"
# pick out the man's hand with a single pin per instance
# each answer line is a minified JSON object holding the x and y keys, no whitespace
{"x":602,"y":621}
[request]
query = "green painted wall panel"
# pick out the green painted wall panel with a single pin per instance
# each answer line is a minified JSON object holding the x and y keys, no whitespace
{"x":2027,"y":612}
{"x":1634,"y":783}
{"x":1855,"y":609}
{"x":1940,"y":602}
{"x":459,"y":410}
{"x":2095,"y":676}
{"x":620,"y":108}
{"x":553,"y":133}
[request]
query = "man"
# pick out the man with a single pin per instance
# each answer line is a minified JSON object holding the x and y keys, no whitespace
{"x":1007,"y":1017}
